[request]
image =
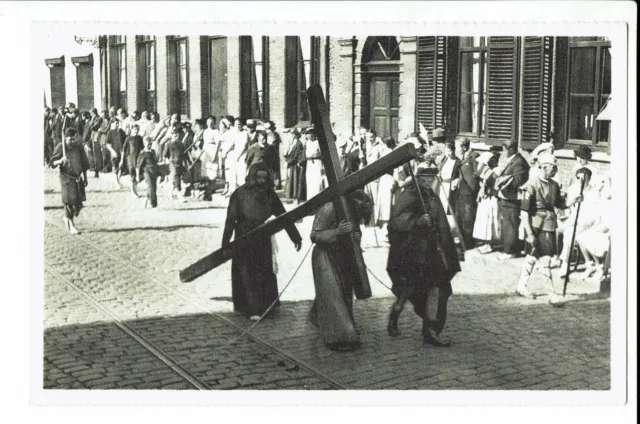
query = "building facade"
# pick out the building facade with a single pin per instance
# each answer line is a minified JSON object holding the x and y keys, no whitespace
{"x":532,"y":89}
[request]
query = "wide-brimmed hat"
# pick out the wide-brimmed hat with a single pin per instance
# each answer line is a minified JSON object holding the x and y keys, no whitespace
{"x":438,"y":134}
{"x":583,"y":152}
{"x":547,"y":159}
{"x":425,"y":169}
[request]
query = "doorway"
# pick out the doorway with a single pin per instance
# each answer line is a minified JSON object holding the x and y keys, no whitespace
{"x":384,"y":100}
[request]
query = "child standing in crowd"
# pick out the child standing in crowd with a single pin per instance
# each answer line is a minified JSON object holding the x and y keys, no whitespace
{"x":175,"y":152}
{"x":147,"y":165}
{"x":133,"y":145}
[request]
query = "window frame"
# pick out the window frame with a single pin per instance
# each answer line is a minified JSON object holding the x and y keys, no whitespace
{"x":119,"y":46}
{"x":313,"y":63}
{"x":264,"y":77}
{"x":148,"y":44}
{"x":483,"y":50}
{"x":598,"y":96}
{"x":177,"y":40}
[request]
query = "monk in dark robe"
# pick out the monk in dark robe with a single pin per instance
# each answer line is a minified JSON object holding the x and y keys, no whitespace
{"x":332,"y":310}
{"x":422,"y":257}
{"x":254,"y":284}
{"x":73,"y":164}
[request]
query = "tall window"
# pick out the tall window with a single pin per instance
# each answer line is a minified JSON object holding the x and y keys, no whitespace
{"x":308,"y":65}
{"x":473,"y":86}
{"x":182,"y":85}
{"x":589,"y":88}
{"x":147,"y":51}
{"x":260,"y":47}
{"x":119,"y":52}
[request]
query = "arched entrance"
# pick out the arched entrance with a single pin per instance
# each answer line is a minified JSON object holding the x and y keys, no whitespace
{"x":380,"y":89}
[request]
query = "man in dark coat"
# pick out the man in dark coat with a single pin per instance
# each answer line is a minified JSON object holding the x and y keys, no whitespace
{"x":513,"y":175}
{"x":466,"y":204}
{"x":133,"y":145}
{"x":73,"y":164}
{"x":147,"y":166}
{"x":422,"y":257}
{"x":332,"y":310}
{"x":254,"y":284}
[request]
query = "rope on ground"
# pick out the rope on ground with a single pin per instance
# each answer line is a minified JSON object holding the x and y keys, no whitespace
{"x":376,"y":277}
{"x":245,"y":332}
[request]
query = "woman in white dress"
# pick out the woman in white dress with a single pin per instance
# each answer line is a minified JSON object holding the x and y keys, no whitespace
{"x":314,"y":180}
{"x":385,"y":188}
{"x":449,"y":174}
{"x":595,"y":242}
{"x":487,"y":224}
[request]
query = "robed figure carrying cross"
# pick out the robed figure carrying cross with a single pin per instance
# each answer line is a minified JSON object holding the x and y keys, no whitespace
{"x":338,"y":193}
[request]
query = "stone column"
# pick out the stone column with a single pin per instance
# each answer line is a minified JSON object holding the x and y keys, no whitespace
{"x":195,"y":77}
{"x":341,"y":59}
{"x":408,"y":73}
{"x":132,"y":73}
{"x":233,"y":75}
{"x":162,"y":100}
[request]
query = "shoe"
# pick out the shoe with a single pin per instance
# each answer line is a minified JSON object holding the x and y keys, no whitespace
{"x":557,"y":300}
{"x":255,"y":318}
{"x":588,"y":272}
{"x":392,"y":325}
{"x":556,"y":263}
{"x":430,"y":338}
{"x":524,"y":292}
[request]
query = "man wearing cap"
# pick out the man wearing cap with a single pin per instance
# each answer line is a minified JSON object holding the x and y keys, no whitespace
{"x":510,"y":178}
{"x":540,"y":196}
{"x":422,"y":256}
{"x":468,"y":187}
{"x":73,"y":164}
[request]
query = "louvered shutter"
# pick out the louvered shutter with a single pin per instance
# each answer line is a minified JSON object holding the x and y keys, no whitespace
{"x":430,"y":84}
{"x":440,"y":106}
{"x":501,"y":90}
{"x":536,"y":91}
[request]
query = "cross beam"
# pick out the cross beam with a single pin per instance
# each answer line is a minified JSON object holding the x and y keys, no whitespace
{"x":338,"y":187}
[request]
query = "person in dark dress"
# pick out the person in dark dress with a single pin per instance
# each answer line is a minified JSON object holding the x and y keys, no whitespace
{"x":174,"y":150}
{"x":254,"y":283}
{"x":332,"y":310}
{"x":295,"y":149}
{"x":422,"y":257}
{"x":132,"y":147}
{"x":147,"y":166}
{"x":511,"y":177}
{"x":259,"y":153}
{"x":73,"y":164}
{"x":301,"y":196}
{"x":273,"y":141}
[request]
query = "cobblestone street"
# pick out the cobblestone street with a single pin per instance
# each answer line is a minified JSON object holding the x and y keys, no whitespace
{"x":118,"y":317}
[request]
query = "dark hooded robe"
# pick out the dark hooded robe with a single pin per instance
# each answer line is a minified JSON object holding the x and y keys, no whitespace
{"x":254,"y":284}
{"x":332,"y":310}
{"x":415,"y":265}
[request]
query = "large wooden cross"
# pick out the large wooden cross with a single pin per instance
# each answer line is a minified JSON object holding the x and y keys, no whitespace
{"x":337,"y":192}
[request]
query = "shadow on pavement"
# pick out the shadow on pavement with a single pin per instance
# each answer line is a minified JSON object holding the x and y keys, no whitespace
{"x":498,"y":342}
{"x":169,"y":228}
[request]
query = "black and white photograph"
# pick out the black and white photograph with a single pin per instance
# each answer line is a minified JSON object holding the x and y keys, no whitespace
{"x":413,"y":209}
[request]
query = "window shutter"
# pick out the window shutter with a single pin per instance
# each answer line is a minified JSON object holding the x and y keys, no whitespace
{"x":430,"y":88}
{"x":501,"y":91}
{"x":440,"y":82}
{"x":536,"y":91}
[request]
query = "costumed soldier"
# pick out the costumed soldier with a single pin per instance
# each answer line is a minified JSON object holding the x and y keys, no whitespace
{"x":74,"y":164}
{"x":539,"y":198}
{"x":422,"y":256}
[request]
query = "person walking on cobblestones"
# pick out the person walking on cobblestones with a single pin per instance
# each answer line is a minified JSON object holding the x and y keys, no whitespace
{"x":147,"y":165}
{"x":422,"y":257}
{"x":332,"y":309}
{"x":254,"y":284}
{"x":133,"y":145}
{"x":73,"y":163}
{"x":540,"y":196}
{"x":175,"y":152}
